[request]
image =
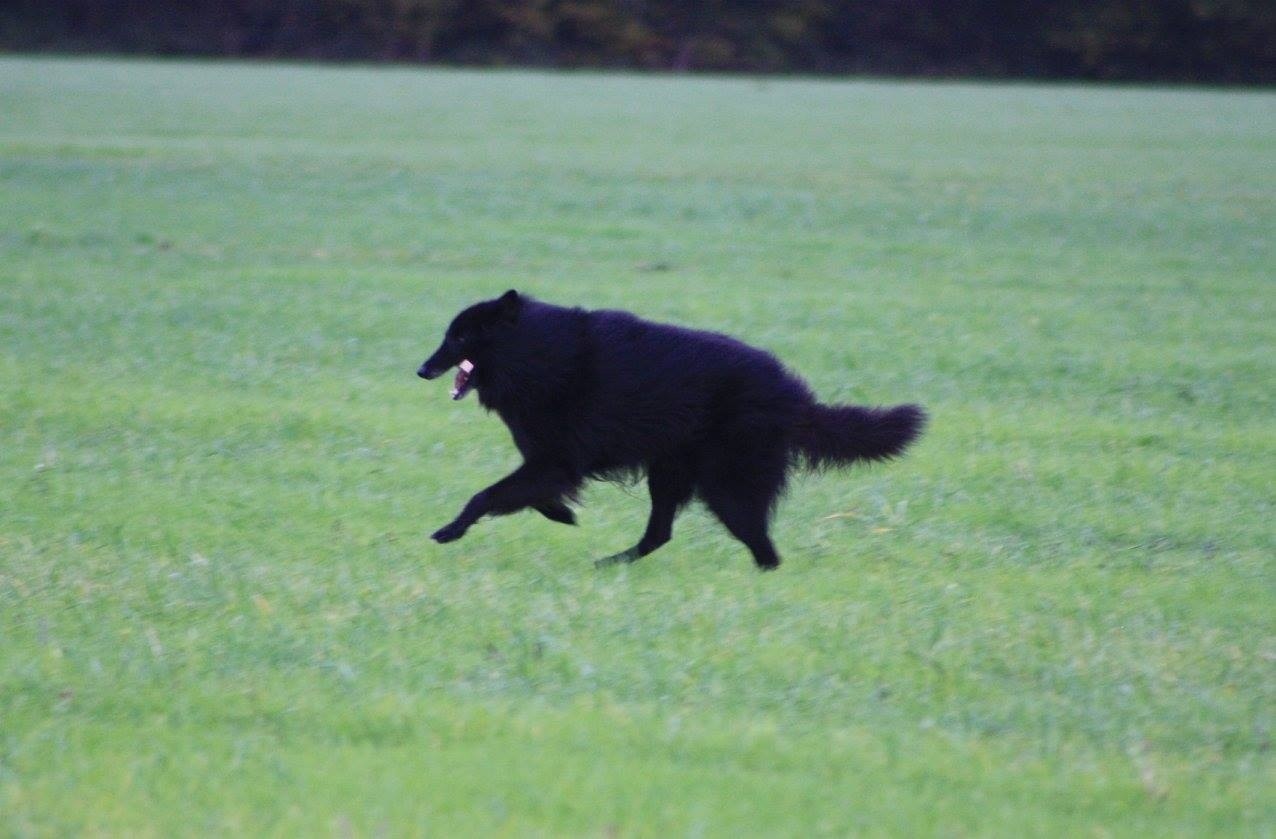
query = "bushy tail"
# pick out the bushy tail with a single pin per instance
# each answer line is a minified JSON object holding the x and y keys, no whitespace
{"x":836,"y":435}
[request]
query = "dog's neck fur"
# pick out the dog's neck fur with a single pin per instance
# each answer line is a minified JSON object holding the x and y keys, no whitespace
{"x":532,"y":354}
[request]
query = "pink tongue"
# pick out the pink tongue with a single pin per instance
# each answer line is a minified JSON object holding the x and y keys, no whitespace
{"x":463,"y":371}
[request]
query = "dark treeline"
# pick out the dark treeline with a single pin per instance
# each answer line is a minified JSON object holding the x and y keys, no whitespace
{"x":1175,"y":40}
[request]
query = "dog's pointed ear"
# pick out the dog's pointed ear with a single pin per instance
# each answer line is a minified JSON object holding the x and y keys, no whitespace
{"x":511,"y":303}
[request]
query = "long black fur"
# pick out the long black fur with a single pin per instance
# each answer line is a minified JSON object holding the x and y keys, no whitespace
{"x":601,"y":394}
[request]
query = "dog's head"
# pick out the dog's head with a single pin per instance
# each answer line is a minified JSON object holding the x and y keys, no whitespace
{"x":468,"y":339}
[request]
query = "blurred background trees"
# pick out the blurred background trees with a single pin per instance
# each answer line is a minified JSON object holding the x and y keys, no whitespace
{"x":1173,"y":40}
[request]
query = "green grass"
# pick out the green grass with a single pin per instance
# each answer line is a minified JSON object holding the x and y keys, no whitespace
{"x":219,"y":608}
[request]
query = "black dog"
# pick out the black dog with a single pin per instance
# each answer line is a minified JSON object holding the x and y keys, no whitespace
{"x":604,"y":394}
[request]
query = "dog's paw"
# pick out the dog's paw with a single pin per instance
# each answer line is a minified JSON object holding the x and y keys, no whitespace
{"x":448,"y":533}
{"x":622,"y":558}
{"x":557,"y":511}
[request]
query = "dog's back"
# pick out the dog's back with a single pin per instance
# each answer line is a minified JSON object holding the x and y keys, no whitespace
{"x":665,"y":391}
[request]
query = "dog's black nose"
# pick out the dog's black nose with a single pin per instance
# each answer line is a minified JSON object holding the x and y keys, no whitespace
{"x":423,"y":373}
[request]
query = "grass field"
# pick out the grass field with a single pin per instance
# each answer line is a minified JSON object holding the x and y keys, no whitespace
{"x":219,"y":608}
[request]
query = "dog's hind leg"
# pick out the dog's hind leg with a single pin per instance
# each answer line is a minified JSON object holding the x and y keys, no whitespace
{"x":670,"y":485}
{"x":740,"y":486}
{"x":745,"y":517}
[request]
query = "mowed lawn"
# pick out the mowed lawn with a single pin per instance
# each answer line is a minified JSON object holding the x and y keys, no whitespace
{"x":220,"y":611}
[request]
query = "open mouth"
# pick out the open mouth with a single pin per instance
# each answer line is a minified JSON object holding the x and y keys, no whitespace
{"x":462,"y":385}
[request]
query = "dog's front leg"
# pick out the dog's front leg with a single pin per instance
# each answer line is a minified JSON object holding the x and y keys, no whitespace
{"x":528,"y":485}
